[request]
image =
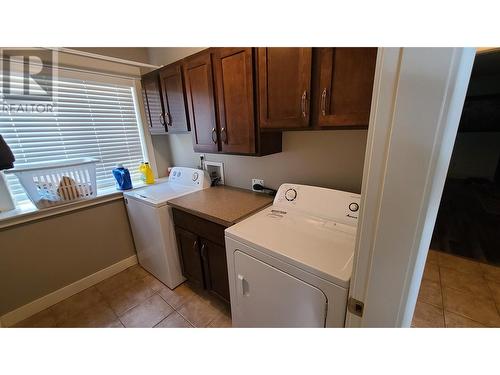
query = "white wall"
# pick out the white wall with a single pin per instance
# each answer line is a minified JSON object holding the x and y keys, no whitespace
{"x":167,"y":55}
{"x":139,"y":54}
{"x":161,"y":148}
{"x":324,"y":158}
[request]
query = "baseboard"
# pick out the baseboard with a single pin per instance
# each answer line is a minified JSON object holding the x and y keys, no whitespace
{"x":44,"y":302}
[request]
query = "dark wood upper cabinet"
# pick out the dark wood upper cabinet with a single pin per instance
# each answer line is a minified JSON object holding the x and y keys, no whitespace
{"x":239,"y":100}
{"x":345,"y":86}
{"x":201,"y":102}
{"x":151,"y":95}
{"x":174,"y":99}
{"x":284,"y":81}
{"x":235,"y":99}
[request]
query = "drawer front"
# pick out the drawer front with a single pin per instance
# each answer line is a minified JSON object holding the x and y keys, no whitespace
{"x":204,"y":228}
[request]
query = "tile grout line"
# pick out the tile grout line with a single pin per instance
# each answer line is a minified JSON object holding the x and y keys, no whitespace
{"x":130,"y":308}
{"x":109,"y":305}
{"x":169,"y":303}
{"x":170,"y":313}
{"x":192,"y":323}
{"x":462,"y":291}
{"x":442,"y":297}
{"x":177,"y":309}
{"x":491,"y":292}
{"x":442,"y":287}
{"x":118,"y":316}
{"x":187,"y":320}
{"x":442,"y":293}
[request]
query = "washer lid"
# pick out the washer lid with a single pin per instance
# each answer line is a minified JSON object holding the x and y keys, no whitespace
{"x":320,"y":246}
{"x":157,"y":195}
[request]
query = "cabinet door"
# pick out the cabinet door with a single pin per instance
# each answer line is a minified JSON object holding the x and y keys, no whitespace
{"x":215,"y":265}
{"x":284,"y":78}
{"x":234,"y":84}
{"x":189,"y":254}
{"x":151,"y":95}
{"x":174,"y":100}
{"x":201,"y":104}
{"x":345,"y":86}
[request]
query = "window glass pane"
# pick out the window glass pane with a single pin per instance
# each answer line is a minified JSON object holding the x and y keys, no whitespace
{"x":89,"y":119}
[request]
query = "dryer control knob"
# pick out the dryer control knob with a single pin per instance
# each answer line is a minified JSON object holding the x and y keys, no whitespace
{"x":195,"y":176}
{"x":290,"y":194}
{"x":354,"y":207}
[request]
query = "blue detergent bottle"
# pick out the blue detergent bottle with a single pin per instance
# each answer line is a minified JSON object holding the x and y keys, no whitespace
{"x":122,"y":176}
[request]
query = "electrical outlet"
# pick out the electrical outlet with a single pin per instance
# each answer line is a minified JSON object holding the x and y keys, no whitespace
{"x":257,"y":181}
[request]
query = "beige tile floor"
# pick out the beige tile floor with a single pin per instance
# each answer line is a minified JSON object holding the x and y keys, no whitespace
{"x":134,"y":298}
{"x":455,"y":292}
{"x":458,"y":292}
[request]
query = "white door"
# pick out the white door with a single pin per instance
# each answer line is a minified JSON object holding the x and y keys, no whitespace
{"x":268,"y":297}
{"x":417,"y":100}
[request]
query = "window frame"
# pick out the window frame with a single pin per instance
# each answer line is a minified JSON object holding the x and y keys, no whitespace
{"x":26,"y":209}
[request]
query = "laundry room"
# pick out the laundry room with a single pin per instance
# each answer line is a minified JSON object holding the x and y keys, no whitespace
{"x":176,"y":187}
{"x":183,"y":184}
{"x":221,"y":187}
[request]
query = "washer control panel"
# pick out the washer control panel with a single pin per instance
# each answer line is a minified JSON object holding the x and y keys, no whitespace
{"x":353,"y":207}
{"x":288,"y":195}
{"x":291,"y":194}
{"x":189,"y":177}
{"x":340,"y":206}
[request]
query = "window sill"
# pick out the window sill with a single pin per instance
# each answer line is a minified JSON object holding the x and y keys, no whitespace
{"x":28,"y":212}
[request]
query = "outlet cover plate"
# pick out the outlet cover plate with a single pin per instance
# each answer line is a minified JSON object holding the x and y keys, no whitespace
{"x":257,"y":181}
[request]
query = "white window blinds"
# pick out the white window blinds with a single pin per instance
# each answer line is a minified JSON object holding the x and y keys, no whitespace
{"x":91,"y":118}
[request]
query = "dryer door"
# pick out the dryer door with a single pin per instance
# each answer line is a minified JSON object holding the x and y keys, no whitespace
{"x":269,"y":297}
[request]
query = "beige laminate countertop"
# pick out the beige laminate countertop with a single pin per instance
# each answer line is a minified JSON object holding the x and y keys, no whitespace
{"x":223,"y":205}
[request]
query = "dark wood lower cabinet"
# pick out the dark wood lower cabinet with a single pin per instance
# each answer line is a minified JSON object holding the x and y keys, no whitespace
{"x":202,"y":253}
{"x":215,"y":268}
{"x":189,"y":252}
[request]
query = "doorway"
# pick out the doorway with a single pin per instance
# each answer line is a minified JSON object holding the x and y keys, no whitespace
{"x":461,"y":282}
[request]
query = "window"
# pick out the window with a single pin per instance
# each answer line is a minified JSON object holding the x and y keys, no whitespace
{"x":93,"y":116}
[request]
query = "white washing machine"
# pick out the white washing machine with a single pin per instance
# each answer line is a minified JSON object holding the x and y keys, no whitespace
{"x":290,"y":264}
{"x":152,"y":224}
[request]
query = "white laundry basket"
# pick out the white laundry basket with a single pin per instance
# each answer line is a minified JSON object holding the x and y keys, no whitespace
{"x":53,"y":183}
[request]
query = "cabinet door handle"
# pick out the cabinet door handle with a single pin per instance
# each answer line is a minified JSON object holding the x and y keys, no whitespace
{"x":223,"y":131}
{"x":203,"y":251}
{"x":195,"y":245}
{"x":303,"y":103}
{"x":214,"y":133}
{"x":243,"y":283}
{"x":162,"y":119}
{"x":169,"y":119}
{"x":323,"y":102}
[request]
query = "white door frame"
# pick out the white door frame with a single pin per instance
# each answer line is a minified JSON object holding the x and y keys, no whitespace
{"x":417,"y":102}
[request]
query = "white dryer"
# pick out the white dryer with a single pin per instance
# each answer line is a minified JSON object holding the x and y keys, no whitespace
{"x":290,"y":264}
{"x":152,"y":223}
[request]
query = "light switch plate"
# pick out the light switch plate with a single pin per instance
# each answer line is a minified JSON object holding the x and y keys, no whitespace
{"x":257,"y":181}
